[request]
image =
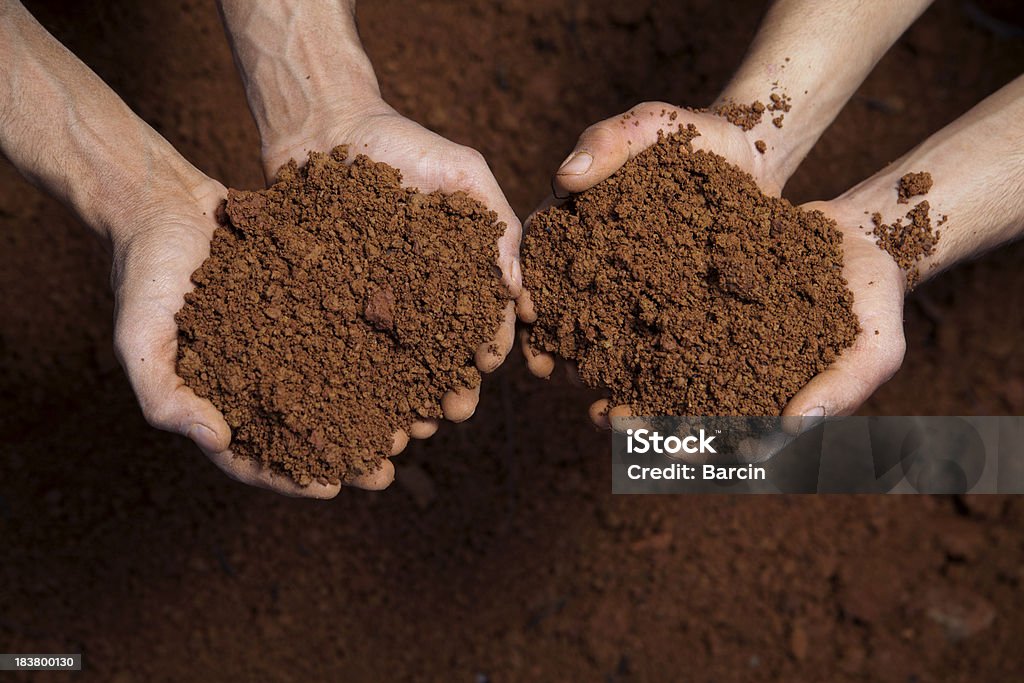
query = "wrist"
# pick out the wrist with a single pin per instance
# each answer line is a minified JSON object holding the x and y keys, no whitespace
{"x":784,"y":144}
{"x":324,"y":128}
{"x":164,"y":189}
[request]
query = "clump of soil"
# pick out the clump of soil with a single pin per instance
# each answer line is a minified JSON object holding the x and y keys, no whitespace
{"x":913,"y":185}
{"x":908,"y":242}
{"x":744,"y":116}
{"x":779,"y":103}
{"x":337,"y":307}
{"x":681,"y":288}
{"x":748,"y":116}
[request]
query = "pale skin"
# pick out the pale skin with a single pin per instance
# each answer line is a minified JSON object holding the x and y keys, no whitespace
{"x":976,"y":164}
{"x":311,"y":88}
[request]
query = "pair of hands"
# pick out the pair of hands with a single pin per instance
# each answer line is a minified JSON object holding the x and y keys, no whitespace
{"x":154,"y":261}
{"x":876,"y":281}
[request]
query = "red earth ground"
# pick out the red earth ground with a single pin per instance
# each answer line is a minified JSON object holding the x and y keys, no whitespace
{"x":500,"y":554}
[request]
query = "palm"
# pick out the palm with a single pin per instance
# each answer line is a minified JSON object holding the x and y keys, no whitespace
{"x":875,"y":280}
{"x":878,"y":287}
{"x":152,"y":273}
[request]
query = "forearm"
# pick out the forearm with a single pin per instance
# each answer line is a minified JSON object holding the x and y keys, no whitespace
{"x":977,"y":168}
{"x":817,"y":54}
{"x":67,"y":132}
{"x":302,"y":64}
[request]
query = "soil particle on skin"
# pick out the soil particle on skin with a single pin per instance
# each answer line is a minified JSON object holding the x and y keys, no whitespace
{"x":748,"y":116}
{"x":913,"y":185}
{"x":682,"y":289}
{"x":744,"y":116}
{"x":337,"y":307}
{"x":908,"y":239}
{"x":780,"y":103}
{"x":760,"y":146}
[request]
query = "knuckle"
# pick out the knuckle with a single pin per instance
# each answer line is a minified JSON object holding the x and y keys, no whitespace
{"x":158,"y":414}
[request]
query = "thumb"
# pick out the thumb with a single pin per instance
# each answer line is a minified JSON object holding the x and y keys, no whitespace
{"x":849,"y":381}
{"x":604,"y":147}
{"x":146,"y":346}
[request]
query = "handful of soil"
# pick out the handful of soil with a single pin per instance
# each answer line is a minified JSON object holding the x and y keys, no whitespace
{"x":337,"y":307}
{"x":682,"y":289}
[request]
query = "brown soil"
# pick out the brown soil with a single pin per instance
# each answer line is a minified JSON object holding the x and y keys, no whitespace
{"x":748,"y":116}
{"x":908,"y":242}
{"x":913,"y":185}
{"x":338,"y":307}
{"x":682,"y":289}
{"x":743,"y":116}
{"x":499,"y":554}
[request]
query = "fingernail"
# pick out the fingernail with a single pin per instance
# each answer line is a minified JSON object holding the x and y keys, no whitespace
{"x":578,"y":164}
{"x":204,"y":437}
{"x":811,"y":418}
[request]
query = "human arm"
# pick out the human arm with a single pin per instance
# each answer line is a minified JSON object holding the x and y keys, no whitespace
{"x":816,"y":56}
{"x":311,"y":87}
{"x":977,"y":167}
{"x":68,"y":133}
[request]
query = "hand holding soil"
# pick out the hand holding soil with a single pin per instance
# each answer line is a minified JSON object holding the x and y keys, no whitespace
{"x":326,"y":95}
{"x":605,"y":147}
{"x":154,"y":259}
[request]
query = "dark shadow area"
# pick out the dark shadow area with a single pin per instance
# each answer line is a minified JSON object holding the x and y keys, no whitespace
{"x":503,"y":557}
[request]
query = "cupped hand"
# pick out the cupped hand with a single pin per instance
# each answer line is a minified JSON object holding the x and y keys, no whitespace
{"x":156,"y":250}
{"x":879,"y":286}
{"x":428,"y":162}
{"x":602,"y":149}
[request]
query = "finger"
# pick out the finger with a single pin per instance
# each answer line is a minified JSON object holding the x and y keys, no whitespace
{"x":525,"y":309}
{"x":492,"y":354}
{"x":846,"y":384}
{"x":252,"y":473}
{"x":605,"y":146}
{"x":423,"y":429}
{"x":538,"y":362}
{"x":599,"y":413}
{"x":485,"y":188}
{"x":460,"y":404}
{"x":619,"y":411}
{"x":146,"y":344}
{"x":399,"y":441}
{"x":376,"y":480}
{"x":602,"y":413}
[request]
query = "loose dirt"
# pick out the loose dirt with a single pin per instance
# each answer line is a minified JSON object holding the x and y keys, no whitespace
{"x":913,"y":185}
{"x":913,"y":237}
{"x":682,"y":289}
{"x":338,"y":307}
{"x":523,"y":567}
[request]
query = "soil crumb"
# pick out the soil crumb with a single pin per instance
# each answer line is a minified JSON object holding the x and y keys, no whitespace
{"x":337,"y":307}
{"x":760,"y":146}
{"x":682,"y":289}
{"x":744,"y":116}
{"x":748,"y":116}
{"x":908,"y":239}
{"x":913,"y":185}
